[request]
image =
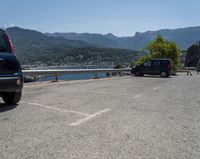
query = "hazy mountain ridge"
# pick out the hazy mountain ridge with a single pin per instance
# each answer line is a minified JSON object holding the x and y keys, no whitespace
{"x":184,"y":37}
{"x":95,"y":39}
{"x":35,"y":47}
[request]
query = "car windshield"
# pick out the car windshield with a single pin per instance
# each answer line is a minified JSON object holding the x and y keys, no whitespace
{"x":4,"y":43}
{"x":148,"y":63}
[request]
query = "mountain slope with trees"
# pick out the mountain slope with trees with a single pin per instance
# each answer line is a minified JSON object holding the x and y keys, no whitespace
{"x":35,"y":47}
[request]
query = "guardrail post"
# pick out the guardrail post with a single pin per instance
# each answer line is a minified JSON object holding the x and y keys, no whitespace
{"x":109,"y":74}
{"x":96,"y":76}
{"x":56,"y":78}
{"x":35,"y":78}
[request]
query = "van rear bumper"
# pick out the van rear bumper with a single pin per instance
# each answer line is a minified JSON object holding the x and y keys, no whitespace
{"x":11,"y":84}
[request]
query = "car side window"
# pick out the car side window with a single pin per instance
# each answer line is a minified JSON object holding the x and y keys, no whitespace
{"x":156,"y":63}
{"x":147,"y":64}
{"x":165,"y":62}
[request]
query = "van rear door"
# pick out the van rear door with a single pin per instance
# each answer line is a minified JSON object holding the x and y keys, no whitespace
{"x":9,"y":65}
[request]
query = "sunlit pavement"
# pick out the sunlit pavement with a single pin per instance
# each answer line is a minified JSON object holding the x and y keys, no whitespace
{"x":128,"y":117}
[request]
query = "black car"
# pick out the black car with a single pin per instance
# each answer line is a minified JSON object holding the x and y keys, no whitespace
{"x":11,"y":79}
{"x":160,"y":67}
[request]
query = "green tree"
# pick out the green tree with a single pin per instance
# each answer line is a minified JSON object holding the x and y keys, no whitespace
{"x":161,"y":48}
{"x":142,"y":59}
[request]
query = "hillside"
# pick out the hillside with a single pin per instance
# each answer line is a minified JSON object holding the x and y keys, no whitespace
{"x":74,"y":48}
{"x":184,"y":37}
{"x":35,"y":47}
{"x":96,"y":39}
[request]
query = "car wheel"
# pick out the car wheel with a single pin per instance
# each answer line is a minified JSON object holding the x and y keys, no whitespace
{"x":163,"y":74}
{"x":12,"y":97}
{"x":137,"y":73}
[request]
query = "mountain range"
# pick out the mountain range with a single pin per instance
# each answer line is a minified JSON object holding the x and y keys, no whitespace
{"x":86,"y":48}
{"x":35,"y":47}
{"x":184,"y":37}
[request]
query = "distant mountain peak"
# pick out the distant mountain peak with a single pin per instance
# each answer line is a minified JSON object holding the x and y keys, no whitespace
{"x":23,"y":31}
{"x":111,"y":36}
{"x":16,"y":28}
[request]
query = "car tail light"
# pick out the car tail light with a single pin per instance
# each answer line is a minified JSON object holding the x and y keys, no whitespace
{"x":170,"y":66}
{"x":19,"y":82}
{"x":10,"y":43}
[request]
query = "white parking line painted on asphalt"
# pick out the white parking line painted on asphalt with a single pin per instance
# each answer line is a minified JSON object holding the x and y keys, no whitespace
{"x":86,"y":118}
{"x":137,"y":96}
{"x":57,"y":109}
{"x":89,"y":117}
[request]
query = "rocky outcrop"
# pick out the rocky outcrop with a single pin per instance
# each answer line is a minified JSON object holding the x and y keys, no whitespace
{"x":193,"y":55}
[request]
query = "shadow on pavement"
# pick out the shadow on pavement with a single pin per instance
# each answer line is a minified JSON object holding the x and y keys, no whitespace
{"x":5,"y":107}
{"x":152,"y":76}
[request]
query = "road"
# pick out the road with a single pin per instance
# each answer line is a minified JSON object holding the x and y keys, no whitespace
{"x":116,"y":118}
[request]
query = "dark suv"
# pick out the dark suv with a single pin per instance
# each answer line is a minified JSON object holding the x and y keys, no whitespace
{"x":11,"y":79}
{"x":160,"y":67}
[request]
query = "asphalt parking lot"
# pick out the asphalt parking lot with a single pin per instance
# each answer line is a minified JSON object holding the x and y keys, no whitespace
{"x":126,"y":117}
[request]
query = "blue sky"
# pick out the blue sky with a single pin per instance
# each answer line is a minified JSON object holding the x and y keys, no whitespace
{"x":120,"y":17}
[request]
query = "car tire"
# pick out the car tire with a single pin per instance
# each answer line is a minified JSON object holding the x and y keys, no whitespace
{"x":12,"y":98}
{"x":163,"y":74}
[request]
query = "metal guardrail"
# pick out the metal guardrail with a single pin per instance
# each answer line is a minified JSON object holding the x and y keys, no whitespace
{"x":190,"y":68}
{"x":70,"y":71}
{"x":61,"y":72}
{"x":186,"y":70}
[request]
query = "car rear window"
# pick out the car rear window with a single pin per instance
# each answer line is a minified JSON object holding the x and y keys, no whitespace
{"x":4,"y":43}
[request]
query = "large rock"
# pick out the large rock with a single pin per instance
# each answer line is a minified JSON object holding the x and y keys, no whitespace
{"x":193,"y":55}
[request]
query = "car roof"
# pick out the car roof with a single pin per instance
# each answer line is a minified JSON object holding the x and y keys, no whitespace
{"x":2,"y":29}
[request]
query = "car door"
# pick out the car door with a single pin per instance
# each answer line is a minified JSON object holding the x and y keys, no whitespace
{"x":156,"y":67}
{"x":146,"y":67}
